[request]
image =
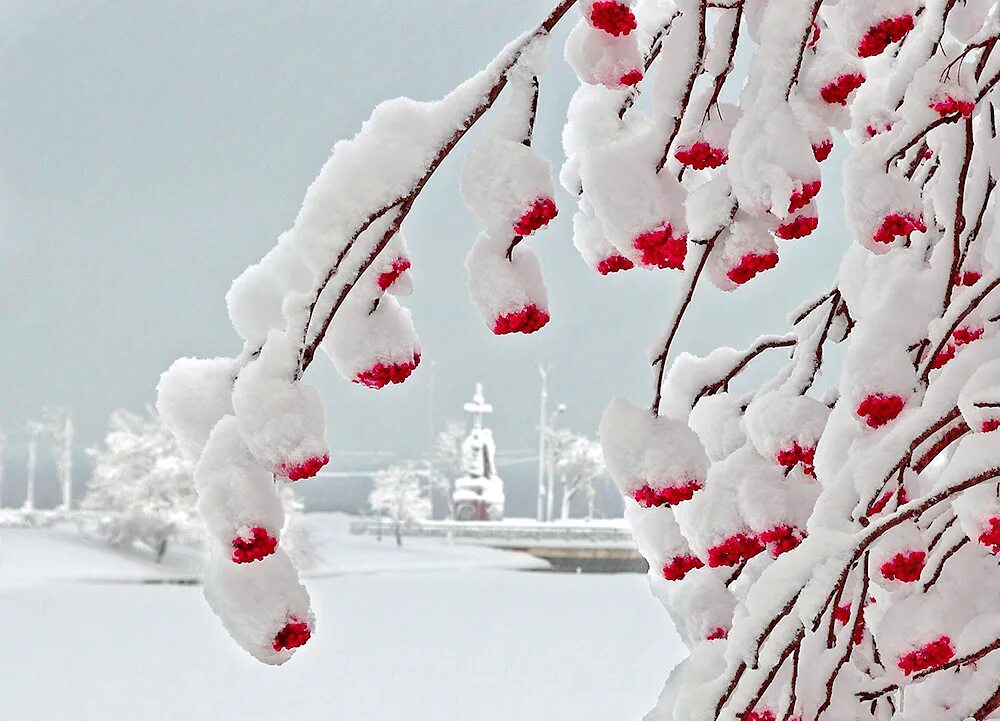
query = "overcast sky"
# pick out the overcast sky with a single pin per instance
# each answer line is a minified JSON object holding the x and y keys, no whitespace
{"x":150,"y":150}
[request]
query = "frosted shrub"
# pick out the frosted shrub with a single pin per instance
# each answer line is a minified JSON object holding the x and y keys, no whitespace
{"x":824,"y":555}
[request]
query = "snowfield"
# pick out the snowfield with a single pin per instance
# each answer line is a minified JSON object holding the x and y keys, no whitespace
{"x":427,"y":633}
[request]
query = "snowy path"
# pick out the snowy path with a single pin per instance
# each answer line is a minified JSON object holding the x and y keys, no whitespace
{"x":484,"y":645}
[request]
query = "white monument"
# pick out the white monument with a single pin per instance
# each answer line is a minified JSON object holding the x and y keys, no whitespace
{"x":478,"y":494}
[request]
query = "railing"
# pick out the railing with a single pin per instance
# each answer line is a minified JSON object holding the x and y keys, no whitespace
{"x":501,"y":531}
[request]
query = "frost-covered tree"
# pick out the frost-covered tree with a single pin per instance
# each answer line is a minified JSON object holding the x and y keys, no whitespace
{"x":398,"y":495}
{"x":579,"y":462}
{"x":143,"y":486}
{"x":817,"y":561}
{"x":447,"y":462}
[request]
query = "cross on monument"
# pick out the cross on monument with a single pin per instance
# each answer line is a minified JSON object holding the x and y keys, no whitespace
{"x":478,"y":407}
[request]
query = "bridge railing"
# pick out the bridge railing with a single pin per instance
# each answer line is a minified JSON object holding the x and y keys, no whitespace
{"x":494,"y":531}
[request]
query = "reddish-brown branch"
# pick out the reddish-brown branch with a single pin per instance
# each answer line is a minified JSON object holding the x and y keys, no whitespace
{"x":748,"y":357}
{"x":918,"y":441}
{"x":793,"y":695}
{"x":774,"y":670}
{"x":661,"y":360}
{"x":689,"y":88}
{"x":855,"y":630}
{"x":959,"y":228}
{"x":722,"y":77}
{"x":944,"y":561}
{"x":951,"y":436}
{"x":802,"y":49}
{"x":404,"y":204}
{"x":954,"y":663}
{"x":986,"y":710}
{"x":655,"y":47}
{"x":973,"y":303}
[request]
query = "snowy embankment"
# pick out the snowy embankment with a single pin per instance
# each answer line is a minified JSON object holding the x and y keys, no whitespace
{"x":428,"y":632}
{"x":62,"y":553}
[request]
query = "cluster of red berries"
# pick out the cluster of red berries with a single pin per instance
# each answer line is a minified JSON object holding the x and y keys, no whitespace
{"x":382,"y":374}
{"x":702,"y":155}
{"x":661,"y":249}
{"x":898,"y":224}
{"x":965,"y":335}
{"x":542,"y":211}
{"x":648,"y":497}
{"x":967,"y":279}
{"x":763,"y":715}
{"x":680,"y":566}
{"x":800,"y":227}
{"x":904,"y":567}
{"x":842,"y":615}
{"x":878,"y":409}
{"x":943,"y":356}
{"x":837,"y":92}
{"x":750,"y":265}
{"x":935,"y":653}
{"x":782,"y":539}
{"x":257,"y":546}
{"x":613,"y":264}
{"x":294,"y":634}
{"x":632,"y":77}
{"x":881,"y":503}
{"x":399,"y":266}
{"x":736,"y":548}
{"x":801,"y":197}
{"x":949,"y":105}
{"x":882,"y":35}
{"x":990,"y":538}
{"x":306,"y":469}
{"x":790,"y":457}
{"x":822,"y":151}
{"x":612,"y":17}
{"x":527,"y":320}
{"x":873,"y":130}
{"x":990,"y":425}
{"x":717,"y":633}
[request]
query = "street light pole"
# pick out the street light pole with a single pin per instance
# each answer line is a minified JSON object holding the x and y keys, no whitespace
{"x":540,"y":512}
{"x":550,"y":491}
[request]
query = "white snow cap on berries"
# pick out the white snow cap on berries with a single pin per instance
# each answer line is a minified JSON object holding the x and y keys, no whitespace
{"x":709,"y":207}
{"x":256,"y":298}
{"x":256,"y":601}
{"x":281,"y":420}
{"x":360,"y":338}
{"x":628,"y":195}
{"x":641,"y":448}
{"x":235,"y":492}
{"x":872,"y":196}
{"x":747,"y":243}
{"x":599,"y":58}
{"x":701,"y":604}
{"x":501,"y":181}
{"x":777,"y":421}
{"x":770,"y":157}
{"x":656,"y":533}
{"x":499,"y":287}
{"x":192,"y":396}
{"x":717,"y":420}
{"x":390,"y":273}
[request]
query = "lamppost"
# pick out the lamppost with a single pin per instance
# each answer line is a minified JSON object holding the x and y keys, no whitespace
{"x":540,"y":511}
{"x":550,"y":494}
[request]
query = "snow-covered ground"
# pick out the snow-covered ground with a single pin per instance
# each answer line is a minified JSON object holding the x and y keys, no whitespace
{"x":430,"y":632}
